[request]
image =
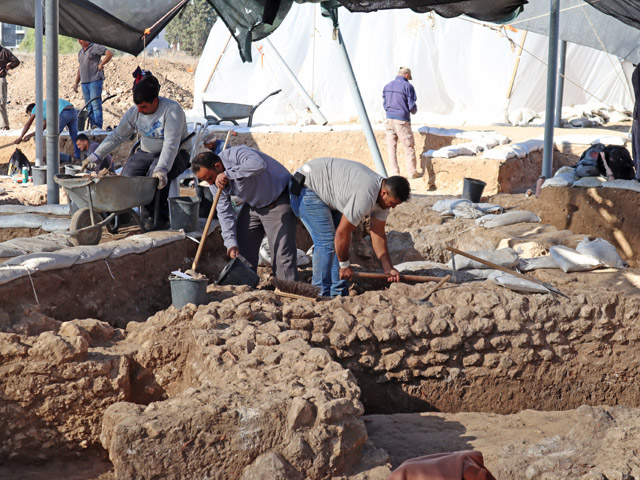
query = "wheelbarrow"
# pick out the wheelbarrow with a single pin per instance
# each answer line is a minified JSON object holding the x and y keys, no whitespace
{"x":231,"y":112}
{"x":102,"y":199}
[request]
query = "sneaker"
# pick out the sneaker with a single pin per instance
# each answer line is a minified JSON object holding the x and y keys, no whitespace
{"x":415,"y":175}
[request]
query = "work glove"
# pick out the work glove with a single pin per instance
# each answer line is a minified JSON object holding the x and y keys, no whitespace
{"x":161,"y":175}
{"x":90,"y":163}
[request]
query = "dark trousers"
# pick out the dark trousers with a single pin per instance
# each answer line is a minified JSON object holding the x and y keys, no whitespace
{"x":278,"y":223}
{"x":142,"y":164}
{"x":635,"y":145}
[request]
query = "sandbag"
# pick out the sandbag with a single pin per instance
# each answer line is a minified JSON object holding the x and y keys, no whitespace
{"x":632,"y":185}
{"x":509,"y":218}
{"x":562,"y":179}
{"x":40,"y":262}
{"x":264,"y":255}
{"x":26,"y":220}
{"x":56,"y":224}
{"x":11,"y":273}
{"x":134,"y":244}
{"x":569,"y":260}
{"x":516,"y":283}
{"x":602,"y":251}
{"x":588,"y":182}
{"x":505,"y":257}
{"x":536,"y":263}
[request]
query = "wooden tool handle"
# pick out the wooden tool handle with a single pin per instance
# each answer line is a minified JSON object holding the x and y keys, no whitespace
{"x":436,"y":287}
{"x":494,"y":265}
{"x":226,"y":140}
{"x":205,"y":232}
{"x":403,"y":278}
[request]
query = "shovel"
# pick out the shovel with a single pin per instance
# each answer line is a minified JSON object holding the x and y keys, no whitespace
{"x":403,"y":278}
{"x":547,"y":285}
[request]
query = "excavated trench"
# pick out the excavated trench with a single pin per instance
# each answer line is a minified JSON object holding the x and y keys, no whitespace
{"x":478,"y":347}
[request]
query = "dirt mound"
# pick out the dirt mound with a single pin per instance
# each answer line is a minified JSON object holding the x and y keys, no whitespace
{"x":176,"y":80}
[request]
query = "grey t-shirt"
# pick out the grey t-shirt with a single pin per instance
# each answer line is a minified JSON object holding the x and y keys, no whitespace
{"x":346,"y":186}
{"x":89,"y":60}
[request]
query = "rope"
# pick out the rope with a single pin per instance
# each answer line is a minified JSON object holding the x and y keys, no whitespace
{"x":33,"y":286}
{"x":109,"y":268}
{"x":545,"y":15}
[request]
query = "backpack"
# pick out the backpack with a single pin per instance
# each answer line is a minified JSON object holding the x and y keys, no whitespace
{"x":17,"y":161}
{"x":619,"y":162}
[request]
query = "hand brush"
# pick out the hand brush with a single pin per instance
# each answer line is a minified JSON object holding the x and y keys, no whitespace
{"x":299,"y":290}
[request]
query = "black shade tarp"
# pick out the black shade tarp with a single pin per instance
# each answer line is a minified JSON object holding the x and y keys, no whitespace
{"x":582,"y":24}
{"x":485,"y":10}
{"x":115,"y":23}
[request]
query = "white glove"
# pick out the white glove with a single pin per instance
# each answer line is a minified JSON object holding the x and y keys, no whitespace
{"x":161,"y":175}
{"x":91,"y":162}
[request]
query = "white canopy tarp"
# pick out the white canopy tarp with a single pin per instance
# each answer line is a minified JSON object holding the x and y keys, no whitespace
{"x":461,"y":69}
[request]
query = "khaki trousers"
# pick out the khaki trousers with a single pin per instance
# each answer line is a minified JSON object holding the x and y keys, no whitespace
{"x":399,"y":129}
{"x":4,"y":118}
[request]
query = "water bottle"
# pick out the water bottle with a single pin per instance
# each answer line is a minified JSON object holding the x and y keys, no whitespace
{"x":25,"y":175}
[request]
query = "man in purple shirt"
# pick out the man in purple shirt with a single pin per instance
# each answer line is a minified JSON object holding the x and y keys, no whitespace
{"x":262,"y":184}
{"x":399,"y":100}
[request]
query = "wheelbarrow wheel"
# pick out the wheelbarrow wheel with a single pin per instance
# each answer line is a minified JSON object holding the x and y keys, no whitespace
{"x":82,"y":219}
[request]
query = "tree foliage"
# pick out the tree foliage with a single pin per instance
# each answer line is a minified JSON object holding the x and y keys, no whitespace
{"x":191,"y":27}
{"x":66,"y":45}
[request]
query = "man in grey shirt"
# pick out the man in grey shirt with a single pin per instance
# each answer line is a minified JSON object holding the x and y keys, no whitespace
{"x":164,"y":150}
{"x":332,"y":196}
{"x":91,"y":75}
{"x":262,"y":183}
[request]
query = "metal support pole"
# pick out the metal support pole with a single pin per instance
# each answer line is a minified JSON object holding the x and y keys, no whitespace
{"x":552,"y":65}
{"x":39,"y":83}
{"x":317,"y":114}
{"x":560,"y":90}
{"x":53,"y":122}
{"x":362,"y":112}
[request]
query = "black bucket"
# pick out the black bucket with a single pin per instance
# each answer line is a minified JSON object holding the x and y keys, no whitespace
{"x":472,"y":189}
{"x":82,"y":119}
{"x":188,"y":290}
{"x":39,"y":175}
{"x":236,"y":272}
{"x":183,"y":213}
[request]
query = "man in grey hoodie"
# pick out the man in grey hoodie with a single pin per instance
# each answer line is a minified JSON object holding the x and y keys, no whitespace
{"x":162,"y":126}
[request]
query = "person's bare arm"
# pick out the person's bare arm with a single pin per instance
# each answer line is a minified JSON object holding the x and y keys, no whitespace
{"x":381,"y":249}
{"x":342,"y":244}
{"x":75,"y":85}
{"x":25,"y":129}
{"x":108,"y":55}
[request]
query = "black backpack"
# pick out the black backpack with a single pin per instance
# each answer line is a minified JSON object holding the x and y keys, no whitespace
{"x":17,"y":161}
{"x":619,"y":162}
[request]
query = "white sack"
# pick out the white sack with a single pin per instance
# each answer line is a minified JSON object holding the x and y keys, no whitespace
{"x":536,"y":263}
{"x":264,"y":255}
{"x":40,"y":262}
{"x":564,"y":179}
{"x":570,"y":260}
{"x":93,"y":253}
{"x":25,"y":220}
{"x":135,"y":244}
{"x":588,"y":182}
{"x":509,"y":218}
{"x":163,"y":237}
{"x":448,"y":204}
{"x":419,"y":265}
{"x":602,"y":251}
{"x":633,"y":185}
{"x":56,"y":224}
{"x":505,"y":257}
{"x":54,"y":209}
{"x":516,"y":283}
{"x":11,"y":273}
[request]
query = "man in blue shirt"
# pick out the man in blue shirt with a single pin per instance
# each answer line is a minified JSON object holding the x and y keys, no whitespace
{"x":262,"y":183}
{"x":399,"y":100}
{"x":67,"y":117}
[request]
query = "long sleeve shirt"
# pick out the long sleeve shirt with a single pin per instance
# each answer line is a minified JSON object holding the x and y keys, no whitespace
{"x":399,"y":99}
{"x":160,"y":132}
{"x":7,"y":61}
{"x":254,"y":177}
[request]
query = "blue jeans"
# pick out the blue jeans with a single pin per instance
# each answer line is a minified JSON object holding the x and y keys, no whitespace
{"x":321,"y":223}
{"x":92,"y":90}
{"x":69,"y":118}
